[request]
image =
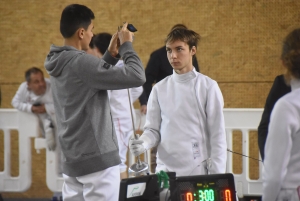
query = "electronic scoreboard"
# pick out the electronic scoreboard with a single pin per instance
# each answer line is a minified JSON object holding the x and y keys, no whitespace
{"x":214,"y":187}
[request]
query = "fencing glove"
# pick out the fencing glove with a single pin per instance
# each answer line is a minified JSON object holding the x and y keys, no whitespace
{"x":136,"y":146}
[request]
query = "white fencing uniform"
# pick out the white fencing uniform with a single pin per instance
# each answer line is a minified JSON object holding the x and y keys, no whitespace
{"x":120,"y":110}
{"x":281,"y":172}
{"x":185,"y":119}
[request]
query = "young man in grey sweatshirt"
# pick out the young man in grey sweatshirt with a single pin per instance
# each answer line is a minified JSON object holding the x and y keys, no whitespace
{"x":79,"y":84}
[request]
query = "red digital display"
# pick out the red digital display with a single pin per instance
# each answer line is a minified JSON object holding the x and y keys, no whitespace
{"x":227,"y":195}
{"x":189,"y":196}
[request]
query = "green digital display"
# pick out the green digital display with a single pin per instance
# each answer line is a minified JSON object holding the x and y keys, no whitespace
{"x":206,"y":195}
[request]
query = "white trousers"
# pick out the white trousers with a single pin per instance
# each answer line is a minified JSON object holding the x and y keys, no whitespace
{"x":288,"y":195}
{"x":99,"y":186}
{"x":124,"y":131}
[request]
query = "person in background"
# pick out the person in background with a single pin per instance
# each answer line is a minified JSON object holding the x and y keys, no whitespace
{"x":34,"y":96}
{"x":279,"y":89}
{"x":185,"y":115}
{"x":84,"y":123}
{"x":158,"y":68}
{"x":281,"y":170}
{"x":91,"y":49}
{"x":119,"y":103}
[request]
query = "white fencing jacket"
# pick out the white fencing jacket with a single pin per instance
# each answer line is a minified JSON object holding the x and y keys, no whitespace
{"x":119,"y":101}
{"x":120,"y":111}
{"x":185,"y":119}
{"x":282,"y":151}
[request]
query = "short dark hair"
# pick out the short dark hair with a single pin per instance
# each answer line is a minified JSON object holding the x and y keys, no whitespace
{"x":291,"y":53}
{"x":74,"y":17}
{"x":30,"y":71}
{"x":185,"y":35}
{"x":178,"y":26}
{"x":101,"y":41}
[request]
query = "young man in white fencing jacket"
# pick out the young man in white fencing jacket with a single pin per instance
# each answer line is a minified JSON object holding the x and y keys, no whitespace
{"x":185,"y":115}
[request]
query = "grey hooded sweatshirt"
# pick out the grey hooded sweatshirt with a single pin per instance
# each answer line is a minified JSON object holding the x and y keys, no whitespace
{"x":79,"y":84}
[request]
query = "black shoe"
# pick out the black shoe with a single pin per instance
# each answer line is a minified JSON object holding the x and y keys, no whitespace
{"x":55,"y":199}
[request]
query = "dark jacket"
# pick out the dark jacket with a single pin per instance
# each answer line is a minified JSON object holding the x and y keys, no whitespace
{"x":278,"y":90}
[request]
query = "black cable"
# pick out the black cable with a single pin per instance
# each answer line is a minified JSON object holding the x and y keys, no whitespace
{"x":243,"y":155}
